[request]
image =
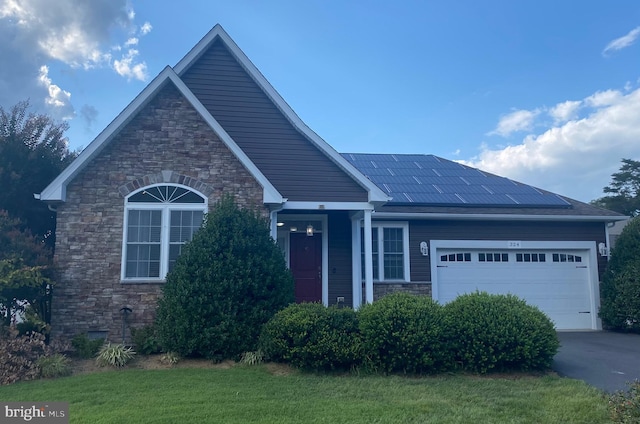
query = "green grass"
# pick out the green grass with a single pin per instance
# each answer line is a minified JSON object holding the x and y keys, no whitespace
{"x":254,"y":395}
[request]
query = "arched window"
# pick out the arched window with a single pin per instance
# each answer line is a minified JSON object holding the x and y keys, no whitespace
{"x":158,"y":221}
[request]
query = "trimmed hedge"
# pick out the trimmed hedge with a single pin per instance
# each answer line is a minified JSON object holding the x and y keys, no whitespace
{"x":499,"y":333}
{"x":404,"y":333}
{"x":312,"y":336}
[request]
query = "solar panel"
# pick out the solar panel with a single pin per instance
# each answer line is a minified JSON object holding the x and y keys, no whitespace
{"x":431,"y":180}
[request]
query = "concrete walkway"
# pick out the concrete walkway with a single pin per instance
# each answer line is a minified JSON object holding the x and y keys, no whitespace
{"x":603,"y":359}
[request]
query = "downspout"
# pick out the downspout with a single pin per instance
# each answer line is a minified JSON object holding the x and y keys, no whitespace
{"x":273,"y":222}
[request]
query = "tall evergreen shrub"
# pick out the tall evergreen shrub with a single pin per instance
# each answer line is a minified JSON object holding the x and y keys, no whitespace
{"x":620,"y":287}
{"x":228,"y":281}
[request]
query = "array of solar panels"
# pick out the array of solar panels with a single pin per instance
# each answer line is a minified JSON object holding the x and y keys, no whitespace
{"x":430,"y":180}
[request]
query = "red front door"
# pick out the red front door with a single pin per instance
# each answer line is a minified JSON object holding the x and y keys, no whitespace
{"x":305,"y":260}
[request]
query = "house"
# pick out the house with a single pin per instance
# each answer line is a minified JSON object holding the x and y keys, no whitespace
{"x":213,"y":124}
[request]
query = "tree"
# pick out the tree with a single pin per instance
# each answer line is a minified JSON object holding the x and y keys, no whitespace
{"x":624,"y":190}
{"x":33,"y":151}
{"x":226,"y":284}
{"x":620,"y":287}
{"x":24,"y":271}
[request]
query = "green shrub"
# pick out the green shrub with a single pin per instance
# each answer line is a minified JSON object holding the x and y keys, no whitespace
{"x":18,"y":355}
{"x":624,"y":407}
{"x":312,"y":336}
{"x":56,"y":365}
{"x":117,"y":355}
{"x":228,"y":281}
{"x":84,"y":347}
{"x":403,"y":333}
{"x":146,"y":340}
{"x":499,"y":333}
{"x":619,"y":299}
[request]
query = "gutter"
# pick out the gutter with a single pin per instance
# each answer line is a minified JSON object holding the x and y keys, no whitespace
{"x":494,"y":217}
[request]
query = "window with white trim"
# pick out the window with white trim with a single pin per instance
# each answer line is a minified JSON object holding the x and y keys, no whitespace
{"x":158,"y":221}
{"x":390,"y":248}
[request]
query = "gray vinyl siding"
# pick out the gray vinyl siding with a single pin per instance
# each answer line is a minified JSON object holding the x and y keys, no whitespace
{"x":340,"y":258}
{"x":496,"y":230}
{"x":296,"y":167}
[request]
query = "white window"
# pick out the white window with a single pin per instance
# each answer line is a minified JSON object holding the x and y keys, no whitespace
{"x":158,"y":221}
{"x":390,"y":248}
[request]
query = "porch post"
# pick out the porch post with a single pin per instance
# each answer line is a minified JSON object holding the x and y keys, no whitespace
{"x":273,"y":224}
{"x":356,"y":260}
{"x":368,"y":258}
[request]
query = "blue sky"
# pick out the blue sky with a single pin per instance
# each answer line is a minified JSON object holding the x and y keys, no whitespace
{"x":545,"y":92}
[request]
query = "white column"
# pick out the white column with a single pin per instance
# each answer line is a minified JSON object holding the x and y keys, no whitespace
{"x":274,"y":225}
{"x":356,"y":255}
{"x":368,"y":258}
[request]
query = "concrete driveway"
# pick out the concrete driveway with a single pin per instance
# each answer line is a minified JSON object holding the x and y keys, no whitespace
{"x":603,"y":359}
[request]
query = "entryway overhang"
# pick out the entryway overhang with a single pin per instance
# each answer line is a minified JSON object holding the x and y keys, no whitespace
{"x":292,"y":219}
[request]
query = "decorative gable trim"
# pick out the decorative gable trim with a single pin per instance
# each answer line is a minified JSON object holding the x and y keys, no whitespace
{"x":376,"y":195}
{"x":165,"y":177}
{"x":56,"y":191}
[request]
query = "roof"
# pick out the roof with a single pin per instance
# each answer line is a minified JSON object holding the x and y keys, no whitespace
{"x":431,"y":180}
{"x":56,"y":191}
{"x":375,"y":194}
{"x":431,"y":185}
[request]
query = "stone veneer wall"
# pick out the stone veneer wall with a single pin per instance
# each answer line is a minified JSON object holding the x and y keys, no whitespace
{"x":383,"y":289}
{"x":167,"y":141}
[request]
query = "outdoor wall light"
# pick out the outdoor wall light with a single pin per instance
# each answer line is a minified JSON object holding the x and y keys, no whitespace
{"x":293,"y":229}
{"x":309,"y":230}
{"x":280,"y":224}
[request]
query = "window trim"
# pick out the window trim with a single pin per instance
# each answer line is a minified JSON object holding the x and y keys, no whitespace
{"x":166,"y":208}
{"x":404,"y":225}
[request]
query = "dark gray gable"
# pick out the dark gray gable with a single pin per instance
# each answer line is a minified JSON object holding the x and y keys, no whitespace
{"x":298,"y":169}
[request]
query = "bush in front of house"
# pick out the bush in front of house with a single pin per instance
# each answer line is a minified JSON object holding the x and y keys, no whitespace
{"x":404,"y":333}
{"x":619,"y":299}
{"x":84,"y":347}
{"x":19,"y":355}
{"x":313,"y":337}
{"x":227,"y":282}
{"x":146,"y":340}
{"x":499,"y":333}
{"x":624,"y":406}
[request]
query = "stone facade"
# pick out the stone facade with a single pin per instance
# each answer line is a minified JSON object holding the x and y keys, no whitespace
{"x":167,"y":141}
{"x":383,"y":289}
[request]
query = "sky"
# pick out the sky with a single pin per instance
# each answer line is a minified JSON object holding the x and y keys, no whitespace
{"x":545,"y":92}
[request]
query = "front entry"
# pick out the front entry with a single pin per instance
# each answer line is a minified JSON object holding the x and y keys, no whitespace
{"x":305,"y":262}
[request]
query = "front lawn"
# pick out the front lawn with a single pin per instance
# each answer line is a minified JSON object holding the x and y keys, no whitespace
{"x":266,"y":394}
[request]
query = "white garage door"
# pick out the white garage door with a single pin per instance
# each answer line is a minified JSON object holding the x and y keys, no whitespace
{"x":556,"y":281}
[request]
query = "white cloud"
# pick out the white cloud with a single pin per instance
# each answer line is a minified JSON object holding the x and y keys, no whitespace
{"x":58,"y":100}
{"x":127,"y":67}
{"x":577,"y":158}
{"x":565,"y":111}
{"x":146,"y":28}
{"x":604,"y":98}
{"x":75,"y":34}
{"x":622,"y":42}
{"x":518,"y":120}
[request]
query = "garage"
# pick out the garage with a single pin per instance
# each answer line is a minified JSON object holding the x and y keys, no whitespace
{"x":557,"y":277}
